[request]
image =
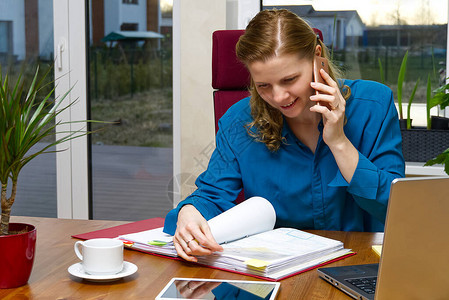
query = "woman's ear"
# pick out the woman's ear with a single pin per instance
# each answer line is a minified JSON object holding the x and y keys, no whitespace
{"x":318,"y":50}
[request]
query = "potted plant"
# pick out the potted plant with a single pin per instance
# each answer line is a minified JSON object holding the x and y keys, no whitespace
{"x":421,"y":144}
{"x":442,"y":158}
{"x":409,"y":105}
{"x":441,"y":98}
{"x":27,"y":117}
{"x":405,"y":123}
{"x":401,"y":77}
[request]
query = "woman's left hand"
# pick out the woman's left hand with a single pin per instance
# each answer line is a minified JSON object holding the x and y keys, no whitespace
{"x":331,"y":105}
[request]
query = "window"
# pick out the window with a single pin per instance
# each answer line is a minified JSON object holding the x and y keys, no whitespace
{"x":369,"y":41}
{"x":129,"y":27}
{"x":5,"y":37}
{"x":130,"y":1}
{"x":131,"y":85}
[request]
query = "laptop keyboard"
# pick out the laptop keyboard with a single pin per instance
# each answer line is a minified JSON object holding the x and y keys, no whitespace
{"x":368,"y":284}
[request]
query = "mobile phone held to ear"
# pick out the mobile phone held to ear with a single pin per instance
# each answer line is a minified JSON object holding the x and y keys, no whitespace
{"x":319,"y":63}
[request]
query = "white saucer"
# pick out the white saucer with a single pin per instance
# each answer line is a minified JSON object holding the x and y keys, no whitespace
{"x":77,"y":270}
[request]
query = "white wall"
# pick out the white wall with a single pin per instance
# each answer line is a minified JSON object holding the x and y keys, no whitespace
{"x":198,"y":19}
{"x":111,"y":16}
{"x":354,"y":28}
{"x":247,"y":10}
{"x":134,"y":13}
{"x":240,"y":12}
{"x":194,"y":129}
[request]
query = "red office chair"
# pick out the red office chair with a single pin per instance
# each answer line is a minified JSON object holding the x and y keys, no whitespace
{"x":230,"y":78}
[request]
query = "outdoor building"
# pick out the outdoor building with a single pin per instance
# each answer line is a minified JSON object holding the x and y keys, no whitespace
{"x":21,"y":36}
{"x":121,"y":15}
{"x":410,"y":36}
{"x":341,"y":28}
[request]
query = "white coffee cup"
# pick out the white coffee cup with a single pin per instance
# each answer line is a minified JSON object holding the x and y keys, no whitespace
{"x":100,"y":256}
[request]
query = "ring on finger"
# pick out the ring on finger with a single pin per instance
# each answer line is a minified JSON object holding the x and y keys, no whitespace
{"x":335,"y":107}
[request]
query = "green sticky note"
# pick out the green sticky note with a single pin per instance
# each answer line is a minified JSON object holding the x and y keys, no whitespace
{"x":157,"y":243}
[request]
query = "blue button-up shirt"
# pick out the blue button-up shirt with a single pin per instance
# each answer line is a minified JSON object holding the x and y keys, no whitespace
{"x":307,"y":189}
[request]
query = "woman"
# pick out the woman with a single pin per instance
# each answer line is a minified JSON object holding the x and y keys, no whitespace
{"x":324,"y":160}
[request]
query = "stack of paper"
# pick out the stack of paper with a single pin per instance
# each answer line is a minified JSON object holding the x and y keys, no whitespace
{"x":250,"y":217}
{"x":154,"y":241}
{"x":251,"y":246}
{"x":276,"y":253}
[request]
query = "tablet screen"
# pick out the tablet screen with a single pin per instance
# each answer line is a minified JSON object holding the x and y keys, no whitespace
{"x":195,"y":288}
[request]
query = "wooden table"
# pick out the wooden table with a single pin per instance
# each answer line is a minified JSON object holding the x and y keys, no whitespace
{"x":54,"y":254}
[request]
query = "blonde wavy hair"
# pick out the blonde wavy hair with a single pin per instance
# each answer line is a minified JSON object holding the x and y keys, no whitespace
{"x":269,"y":34}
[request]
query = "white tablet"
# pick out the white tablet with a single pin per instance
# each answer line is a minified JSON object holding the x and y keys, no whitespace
{"x":197,"y":288}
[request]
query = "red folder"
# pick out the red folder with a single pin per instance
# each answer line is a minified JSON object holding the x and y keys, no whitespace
{"x":133,"y":227}
{"x":115,"y":231}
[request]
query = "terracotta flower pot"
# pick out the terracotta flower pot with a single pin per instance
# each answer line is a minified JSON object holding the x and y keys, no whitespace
{"x":17,"y":255}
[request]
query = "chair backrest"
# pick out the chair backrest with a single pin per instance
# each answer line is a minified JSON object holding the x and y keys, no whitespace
{"x":230,"y":78}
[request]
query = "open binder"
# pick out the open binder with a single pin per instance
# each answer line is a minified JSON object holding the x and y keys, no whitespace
{"x":251,"y":246}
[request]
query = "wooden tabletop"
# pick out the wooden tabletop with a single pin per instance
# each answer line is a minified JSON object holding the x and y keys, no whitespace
{"x":54,"y":254}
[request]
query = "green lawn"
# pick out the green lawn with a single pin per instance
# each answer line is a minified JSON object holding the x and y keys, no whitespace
{"x":142,"y":120}
{"x":365,"y":66}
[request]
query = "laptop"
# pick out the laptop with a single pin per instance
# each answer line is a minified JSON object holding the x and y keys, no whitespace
{"x":415,"y":254}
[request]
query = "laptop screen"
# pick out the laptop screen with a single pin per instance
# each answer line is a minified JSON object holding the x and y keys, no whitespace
{"x":414,"y":262}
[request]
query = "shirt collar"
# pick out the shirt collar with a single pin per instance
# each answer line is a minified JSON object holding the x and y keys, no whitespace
{"x":287,"y":131}
{"x":285,"y":128}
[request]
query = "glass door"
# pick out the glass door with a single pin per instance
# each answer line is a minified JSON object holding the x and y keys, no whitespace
{"x":130,"y":86}
{"x":26,"y":42}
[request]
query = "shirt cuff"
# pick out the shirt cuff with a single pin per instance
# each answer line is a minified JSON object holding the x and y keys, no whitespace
{"x":365,"y":180}
{"x":171,"y":219}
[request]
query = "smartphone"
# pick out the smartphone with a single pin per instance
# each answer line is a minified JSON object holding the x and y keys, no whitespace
{"x":319,"y":63}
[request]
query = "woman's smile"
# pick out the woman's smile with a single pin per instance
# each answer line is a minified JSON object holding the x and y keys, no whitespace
{"x":290,"y":105}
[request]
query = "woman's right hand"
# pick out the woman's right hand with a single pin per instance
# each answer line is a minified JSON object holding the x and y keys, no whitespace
{"x":193,"y":235}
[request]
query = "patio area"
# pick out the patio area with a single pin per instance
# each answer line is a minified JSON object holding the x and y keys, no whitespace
{"x":129,"y":183}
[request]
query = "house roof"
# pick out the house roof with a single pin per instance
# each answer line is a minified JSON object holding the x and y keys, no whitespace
{"x":131,"y":35}
{"x":300,"y":10}
{"x":307,"y":11}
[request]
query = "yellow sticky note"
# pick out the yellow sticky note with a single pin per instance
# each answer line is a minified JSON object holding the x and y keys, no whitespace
{"x":256,"y":263}
{"x":377,"y":249}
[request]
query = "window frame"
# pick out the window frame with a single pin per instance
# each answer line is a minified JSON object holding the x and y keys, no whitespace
{"x":130,"y":2}
{"x":72,"y":173}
